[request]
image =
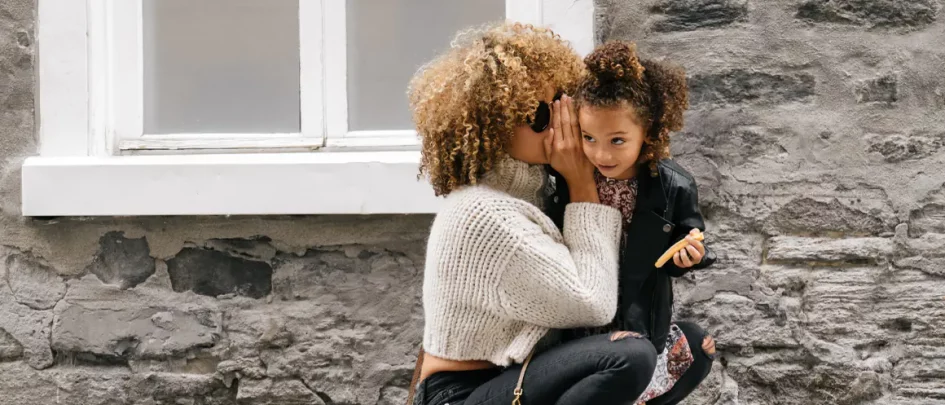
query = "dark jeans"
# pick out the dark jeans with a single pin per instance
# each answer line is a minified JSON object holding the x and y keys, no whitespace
{"x":592,"y":370}
{"x":701,"y":365}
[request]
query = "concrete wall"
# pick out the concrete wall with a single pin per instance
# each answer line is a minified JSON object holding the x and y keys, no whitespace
{"x":817,"y":135}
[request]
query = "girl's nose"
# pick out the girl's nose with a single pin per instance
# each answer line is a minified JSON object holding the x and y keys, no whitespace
{"x":602,"y":157}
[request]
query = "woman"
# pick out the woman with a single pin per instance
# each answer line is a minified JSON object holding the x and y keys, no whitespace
{"x":499,"y":274}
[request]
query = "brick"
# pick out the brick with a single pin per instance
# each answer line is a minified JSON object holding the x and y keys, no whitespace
{"x":742,"y":86}
{"x":10,"y":349}
{"x":929,"y":218}
{"x":735,"y":145}
{"x":29,"y":331}
{"x":925,"y":253}
{"x":879,"y":90}
{"x":122,"y":261}
{"x":119,"y":325}
{"x":810,"y":217}
{"x":213,"y":273}
{"x":33,"y":284}
{"x":268,"y":392}
{"x":788,"y":249}
{"x":688,"y":15}
{"x":899,"y":148}
{"x":871,"y":13}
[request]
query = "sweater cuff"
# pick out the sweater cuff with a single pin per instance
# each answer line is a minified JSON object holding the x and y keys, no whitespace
{"x":582,"y":217}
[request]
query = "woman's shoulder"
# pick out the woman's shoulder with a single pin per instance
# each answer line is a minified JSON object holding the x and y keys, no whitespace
{"x":478,"y":206}
{"x":484,"y":198}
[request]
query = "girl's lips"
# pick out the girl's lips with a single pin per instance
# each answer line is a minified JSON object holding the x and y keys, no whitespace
{"x":602,"y":167}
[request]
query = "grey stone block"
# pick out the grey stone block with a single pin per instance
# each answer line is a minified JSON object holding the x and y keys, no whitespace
{"x":213,"y":273}
{"x":899,"y":148}
{"x":873,"y":13}
{"x":742,"y":86}
{"x":122,"y":261}
{"x":879,"y":90}
{"x":687,"y":15}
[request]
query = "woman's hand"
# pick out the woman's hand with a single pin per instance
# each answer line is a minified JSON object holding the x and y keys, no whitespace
{"x":566,"y":152}
{"x":692,"y":254}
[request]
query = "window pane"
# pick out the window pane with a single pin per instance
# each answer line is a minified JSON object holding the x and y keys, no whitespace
{"x":221,"y":66}
{"x":388,"y":40}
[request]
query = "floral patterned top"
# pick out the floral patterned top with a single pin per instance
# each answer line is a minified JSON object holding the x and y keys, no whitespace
{"x":620,"y":194}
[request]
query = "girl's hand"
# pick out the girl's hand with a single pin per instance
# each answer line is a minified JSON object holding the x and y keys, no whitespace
{"x":692,"y":254}
{"x":566,"y":152}
{"x":708,"y":345}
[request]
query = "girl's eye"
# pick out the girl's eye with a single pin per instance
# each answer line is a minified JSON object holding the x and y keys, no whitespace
{"x":617,"y":141}
{"x":588,"y":139}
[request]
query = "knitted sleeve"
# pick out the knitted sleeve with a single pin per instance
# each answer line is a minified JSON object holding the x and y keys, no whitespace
{"x":563,"y":285}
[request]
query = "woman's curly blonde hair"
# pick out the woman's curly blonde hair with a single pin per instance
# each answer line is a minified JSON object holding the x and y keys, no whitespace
{"x":467,"y":102}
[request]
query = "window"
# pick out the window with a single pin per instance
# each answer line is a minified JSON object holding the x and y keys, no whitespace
{"x":220,"y":66}
{"x":184,"y":107}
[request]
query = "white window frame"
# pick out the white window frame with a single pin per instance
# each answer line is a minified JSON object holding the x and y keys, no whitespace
{"x":94,"y":161}
{"x":117,"y":46}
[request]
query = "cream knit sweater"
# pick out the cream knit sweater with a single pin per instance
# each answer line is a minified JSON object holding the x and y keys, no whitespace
{"x":499,"y":274}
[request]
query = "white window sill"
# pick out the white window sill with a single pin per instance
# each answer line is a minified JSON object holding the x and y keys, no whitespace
{"x":326,"y":182}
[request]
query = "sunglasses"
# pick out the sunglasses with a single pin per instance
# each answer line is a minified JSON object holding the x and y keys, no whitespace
{"x":542,"y":115}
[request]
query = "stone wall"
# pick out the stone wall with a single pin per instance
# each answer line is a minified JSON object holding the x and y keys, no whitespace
{"x":207,"y":311}
{"x":817,"y":135}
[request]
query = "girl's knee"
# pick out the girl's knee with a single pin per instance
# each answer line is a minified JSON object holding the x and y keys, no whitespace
{"x":700,"y":341}
{"x":692,"y":331}
{"x":638,"y":362}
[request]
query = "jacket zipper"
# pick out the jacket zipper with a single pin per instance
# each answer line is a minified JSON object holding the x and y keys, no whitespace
{"x":653,"y":316}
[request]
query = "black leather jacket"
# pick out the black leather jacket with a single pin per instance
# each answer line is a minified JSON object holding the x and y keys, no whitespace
{"x":667,"y":208}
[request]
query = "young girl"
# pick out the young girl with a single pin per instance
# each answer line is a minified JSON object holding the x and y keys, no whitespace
{"x":626,"y":109}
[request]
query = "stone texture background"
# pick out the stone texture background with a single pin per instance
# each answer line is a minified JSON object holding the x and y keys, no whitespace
{"x":817,"y":133}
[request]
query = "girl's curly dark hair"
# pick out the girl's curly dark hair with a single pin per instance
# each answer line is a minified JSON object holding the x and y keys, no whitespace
{"x":655,"y":91}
